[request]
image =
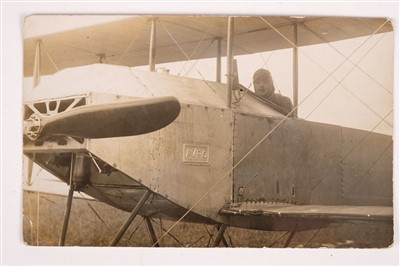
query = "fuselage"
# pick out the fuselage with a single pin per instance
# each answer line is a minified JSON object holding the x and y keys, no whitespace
{"x":211,"y":155}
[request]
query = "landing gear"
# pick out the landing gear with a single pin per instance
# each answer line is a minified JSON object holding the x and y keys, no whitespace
{"x":79,"y":177}
{"x":290,"y":237}
{"x":152,"y":233}
{"x":130,"y":219}
{"x":220,"y":236}
{"x":66,"y":217}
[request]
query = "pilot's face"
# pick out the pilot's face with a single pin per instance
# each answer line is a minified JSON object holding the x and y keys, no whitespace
{"x":263,"y":86}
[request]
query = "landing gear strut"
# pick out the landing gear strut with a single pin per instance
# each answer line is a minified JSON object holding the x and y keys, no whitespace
{"x":66,"y":217}
{"x":152,"y":233}
{"x":289,"y":239}
{"x":220,"y":236}
{"x":130,"y":219}
{"x":79,"y":177}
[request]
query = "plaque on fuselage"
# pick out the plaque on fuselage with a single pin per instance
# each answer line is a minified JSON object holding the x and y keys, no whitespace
{"x":196,"y":154}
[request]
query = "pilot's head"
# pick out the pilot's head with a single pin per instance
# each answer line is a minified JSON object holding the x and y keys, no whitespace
{"x":263,"y":84}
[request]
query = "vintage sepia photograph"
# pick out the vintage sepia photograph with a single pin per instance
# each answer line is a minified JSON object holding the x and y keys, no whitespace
{"x":204,"y":131}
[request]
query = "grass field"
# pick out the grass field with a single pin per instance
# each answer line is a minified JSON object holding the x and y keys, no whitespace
{"x":94,"y":223}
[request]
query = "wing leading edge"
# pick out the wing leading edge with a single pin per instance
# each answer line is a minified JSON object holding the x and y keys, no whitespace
{"x":338,"y":213}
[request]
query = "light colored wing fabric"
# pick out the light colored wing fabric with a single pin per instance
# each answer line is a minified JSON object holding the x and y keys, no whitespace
{"x":126,"y":41}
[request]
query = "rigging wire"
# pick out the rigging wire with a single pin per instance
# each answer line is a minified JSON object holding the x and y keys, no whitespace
{"x":346,"y":58}
{"x":227,"y":174}
{"x":369,"y":107}
{"x":279,"y":238}
{"x":347,"y":89}
{"x":210,"y":234}
{"x":266,"y":61}
{"x":49,"y":56}
{"x":171,"y":235}
{"x":373,"y":164}
{"x":341,"y":160}
{"x":197,"y":46}
{"x":187,"y":57}
{"x":201,"y":55}
{"x":91,"y":207}
{"x":142,"y":83}
{"x":137,"y":227}
{"x":196,"y":241}
{"x":272,"y":130}
{"x":312,"y":237}
{"x":129,"y":47}
{"x":339,"y":52}
{"x":174,"y":40}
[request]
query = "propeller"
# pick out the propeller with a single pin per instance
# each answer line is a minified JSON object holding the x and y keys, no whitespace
{"x":118,"y":119}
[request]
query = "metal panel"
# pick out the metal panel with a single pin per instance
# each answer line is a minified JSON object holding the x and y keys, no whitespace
{"x":369,"y":168}
{"x":181,"y":161}
{"x":291,"y":165}
{"x":311,"y":163}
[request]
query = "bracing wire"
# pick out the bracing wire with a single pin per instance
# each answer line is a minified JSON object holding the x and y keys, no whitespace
{"x":369,"y":107}
{"x":372,"y":165}
{"x":195,"y":49}
{"x":195,"y":63}
{"x":339,"y":52}
{"x":346,"y":58}
{"x":94,"y":211}
{"x":348,"y":153}
{"x":128,"y":48}
{"x":137,"y":227}
{"x":340,"y":83}
{"x":188,"y":58}
{"x":270,"y":132}
{"x":312,"y":237}
{"x":279,"y":238}
{"x":175,"y":41}
{"x":49,"y":56}
{"x":171,"y":235}
{"x":266,"y":61}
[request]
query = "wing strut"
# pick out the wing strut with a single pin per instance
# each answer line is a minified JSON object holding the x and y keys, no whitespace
{"x":130,"y":219}
{"x":218,"y":72}
{"x":152,"y":50}
{"x":295,"y":69}
{"x":38,"y":63}
{"x":230,"y":60}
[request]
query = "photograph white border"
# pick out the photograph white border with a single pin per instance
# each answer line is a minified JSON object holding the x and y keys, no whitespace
{"x":15,"y":252}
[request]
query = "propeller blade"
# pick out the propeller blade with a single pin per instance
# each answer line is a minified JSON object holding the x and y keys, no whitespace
{"x":118,"y":119}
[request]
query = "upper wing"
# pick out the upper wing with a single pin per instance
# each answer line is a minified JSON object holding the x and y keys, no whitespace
{"x":126,"y":41}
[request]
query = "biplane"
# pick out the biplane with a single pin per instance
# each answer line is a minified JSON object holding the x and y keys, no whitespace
{"x":165,"y":146}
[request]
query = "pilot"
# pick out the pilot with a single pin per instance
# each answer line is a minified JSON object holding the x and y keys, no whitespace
{"x":264,"y":88}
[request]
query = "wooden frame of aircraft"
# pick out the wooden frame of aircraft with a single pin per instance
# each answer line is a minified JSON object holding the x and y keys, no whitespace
{"x":159,"y":145}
